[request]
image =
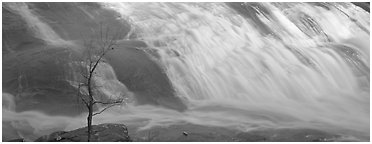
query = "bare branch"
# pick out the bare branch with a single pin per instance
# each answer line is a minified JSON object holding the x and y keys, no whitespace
{"x":84,"y":75}
{"x":101,"y":34}
{"x":99,"y":59}
{"x":106,"y":108}
{"x":96,"y":63}
{"x":112,"y":102}
{"x":85,"y":102}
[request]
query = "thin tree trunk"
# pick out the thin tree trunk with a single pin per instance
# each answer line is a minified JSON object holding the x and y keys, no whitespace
{"x":90,"y":107}
{"x":90,"y":115}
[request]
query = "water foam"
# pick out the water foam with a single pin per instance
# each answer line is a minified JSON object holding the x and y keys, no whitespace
{"x":41,"y":29}
{"x":212,"y":54}
{"x":232,"y":75}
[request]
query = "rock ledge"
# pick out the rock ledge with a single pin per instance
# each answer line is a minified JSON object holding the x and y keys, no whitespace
{"x":100,"y":133}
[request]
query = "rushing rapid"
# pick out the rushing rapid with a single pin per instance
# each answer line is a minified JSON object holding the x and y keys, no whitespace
{"x":244,"y":66}
{"x":301,"y":73}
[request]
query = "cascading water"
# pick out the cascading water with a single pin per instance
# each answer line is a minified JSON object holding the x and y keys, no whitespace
{"x":42,"y":30}
{"x":214,"y":55}
{"x":283,"y":65}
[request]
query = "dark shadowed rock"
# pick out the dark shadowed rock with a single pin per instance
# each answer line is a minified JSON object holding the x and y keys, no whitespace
{"x":143,"y":76}
{"x":286,"y":135}
{"x":200,"y":133}
{"x":17,"y":140}
{"x":100,"y":133}
{"x":250,"y":137}
{"x":363,"y":5}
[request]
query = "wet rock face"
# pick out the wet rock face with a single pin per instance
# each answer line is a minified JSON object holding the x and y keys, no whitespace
{"x":38,"y":79}
{"x":38,"y":73}
{"x":198,"y":133}
{"x":286,"y":135}
{"x":100,"y":133}
{"x":79,"y":21}
{"x":363,"y":5}
{"x":17,"y":140}
{"x":16,"y":34}
{"x":143,"y":76}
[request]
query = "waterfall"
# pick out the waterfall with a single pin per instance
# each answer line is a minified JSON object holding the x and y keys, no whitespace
{"x":305,"y":70}
{"x":241,"y":66}
{"x":40,"y":28}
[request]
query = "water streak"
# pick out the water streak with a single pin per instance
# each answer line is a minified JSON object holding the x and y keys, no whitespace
{"x":214,"y":55}
{"x":40,"y":28}
{"x":311,"y":69}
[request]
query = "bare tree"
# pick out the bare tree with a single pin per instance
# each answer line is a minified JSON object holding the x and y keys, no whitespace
{"x":95,"y":50}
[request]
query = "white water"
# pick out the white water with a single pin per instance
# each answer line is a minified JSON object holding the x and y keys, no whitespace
{"x":41,"y":29}
{"x":215,"y":57}
{"x":232,"y":75}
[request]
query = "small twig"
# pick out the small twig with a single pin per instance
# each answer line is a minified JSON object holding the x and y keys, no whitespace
{"x":85,"y":102}
{"x":113,"y":102}
{"x":105,"y":109}
{"x":84,"y":75}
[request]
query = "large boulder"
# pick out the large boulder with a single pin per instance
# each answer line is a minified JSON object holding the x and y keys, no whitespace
{"x":100,"y":133}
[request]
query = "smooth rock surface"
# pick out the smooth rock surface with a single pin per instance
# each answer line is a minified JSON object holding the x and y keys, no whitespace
{"x":100,"y":133}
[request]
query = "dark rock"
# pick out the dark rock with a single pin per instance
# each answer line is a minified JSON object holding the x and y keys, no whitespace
{"x":143,"y":76}
{"x":175,"y":133}
{"x":250,"y":137}
{"x":100,"y":133}
{"x":285,"y":135}
{"x":9,"y":132}
{"x":53,"y":137}
{"x":17,"y":140}
{"x":363,"y":5}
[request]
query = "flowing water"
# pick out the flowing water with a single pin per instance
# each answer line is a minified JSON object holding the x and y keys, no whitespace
{"x":244,"y":66}
{"x":41,"y":29}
